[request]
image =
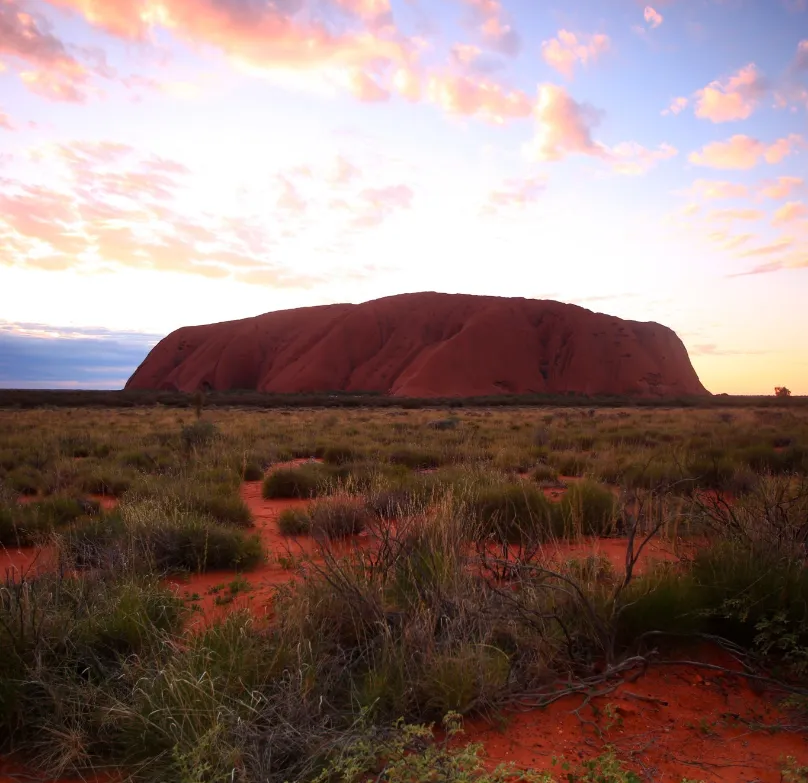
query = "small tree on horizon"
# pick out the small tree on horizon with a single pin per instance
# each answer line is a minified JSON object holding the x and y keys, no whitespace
{"x":782,"y":391}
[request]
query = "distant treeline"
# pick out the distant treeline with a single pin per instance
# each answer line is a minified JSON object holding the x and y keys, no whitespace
{"x":26,"y":398}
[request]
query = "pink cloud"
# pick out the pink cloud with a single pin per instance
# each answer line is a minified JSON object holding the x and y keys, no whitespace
{"x":718,"y":189}
{"x":344,"y":171}
{"x":465,"y":54}
{"x":778,"y":246}
{"x":516,"y":193}
{"x":734,"y":99}
{"x":48,"y":69}
{"x":472,"y":95}
{"x":290,"y":199}
{"x":377,"y":204}
{"x":407,"y":83}
{"x":781,"y":188}
{"x":364,"y":88}
{"x":564,"y":126}
{"x":790,"y":212}
{"x":369,"y":10}
{"x":567,"y":50}
{"x":744,"y":152}
{"x":117,"y":222}
{"x":736,"y":214}
{"x":652,"y":17}
{"x":677,"y":105}
{"x":5,"y":122}
{"x":633,"y":159}
{"x":263,"y":35}
{"x":495,"y":31}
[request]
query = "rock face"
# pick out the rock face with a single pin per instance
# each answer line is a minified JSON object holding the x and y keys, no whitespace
{"x":425,"y":345}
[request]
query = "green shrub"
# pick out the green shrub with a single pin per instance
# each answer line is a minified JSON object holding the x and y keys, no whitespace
{"x":338,"y":517}
{"x":417,"y":459}
{"x":199,"y":434}
{"x":225,"y":507}
{"x":569,"y":463}
{"x":589,"y":508}
{"x":103,"y":482}
{"x":514,"y":512}
{"x":190,"y":543}
{"x":449,"y":423}
{"x":305,"y":481}
{"x":252,"y":472}
{"x":294,"y":522}
{"x":19,"y":527}
{"x":339,"y":455}
{"x":25,"y":480}
{"x":99,"y":542}
{"x":711,"y":471}
{"x":544,"y":473}
{"x":76,"y":446}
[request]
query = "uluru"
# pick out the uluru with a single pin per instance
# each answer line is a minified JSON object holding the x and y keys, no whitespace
{"x":426,"y":345}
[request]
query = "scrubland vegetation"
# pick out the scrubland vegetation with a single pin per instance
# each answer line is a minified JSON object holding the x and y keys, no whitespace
{"x":437,"y":591}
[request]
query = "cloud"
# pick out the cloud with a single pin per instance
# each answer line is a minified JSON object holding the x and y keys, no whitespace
{"x":344,"y":171}
{"x":790,"y":212}
{"x":477,"y":95}
{"x":567,"y":50}
{"x":407,"y":83}
{"x":516,"y":193}
{"x":5,"y":122}
{"x":46,"y":66}
{"x":108,"y":206}
{"x":494,"y":30}
{"x":734,"y":99}
{"x":737,"y":214}
{"x":374,"y":11}
{"x":290,"y":199}
{"x":652,"y":17}
{"x":744,"y":152}
{"x":781,"y":188}
{"x":633,"y":159}
{"x":677,"y":105}
{"x":465,"y":54}
{"x":564,"y":126}
{"x":42,"y":356}
{"x":268,"y":37}
{"x":377,"y":204}
{"x":801,"y":60}
{"x":364,"y":88}
{"x":778,"y":246}
{"x":718,"y":189}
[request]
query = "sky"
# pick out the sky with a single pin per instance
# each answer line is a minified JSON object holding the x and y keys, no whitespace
{"x":175,"y":162}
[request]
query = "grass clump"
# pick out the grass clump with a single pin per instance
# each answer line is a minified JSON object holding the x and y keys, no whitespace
{"x":199,"y":434}
{"x":25,"y":480}
{"x":589,"y":509}
{"x":106,"y":483}
{"x":416,"y":459}
{"x":252,"y":471}
{"x":224,"y":506}
{"x":294,"y":522}
{"x":305,"y":481}
{"x":338,"y":517}
{"x":513,"y":512}
{"x":544,"y":474}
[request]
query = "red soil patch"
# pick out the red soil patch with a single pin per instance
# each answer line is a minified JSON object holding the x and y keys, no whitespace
{"x":14,"y":562}
{"x":13,"y":772}
{"x":674,"y":722}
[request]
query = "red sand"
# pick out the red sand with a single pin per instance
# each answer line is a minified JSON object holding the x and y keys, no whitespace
{"x":673,"y":722}
{"x":426,"y":345}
